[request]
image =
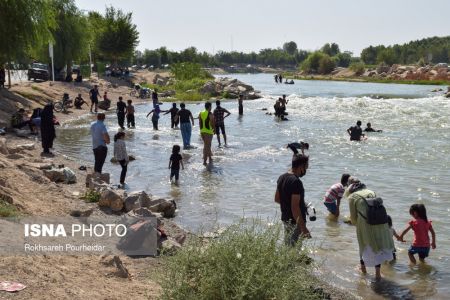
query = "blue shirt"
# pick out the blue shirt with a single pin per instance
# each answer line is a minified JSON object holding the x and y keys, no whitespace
{"x":98,"y":129}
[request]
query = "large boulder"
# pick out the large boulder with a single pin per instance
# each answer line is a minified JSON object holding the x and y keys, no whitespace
{"x":166,"y":207}
{"x":112,"y":199}
{"x":211,"y":88}
{"x":55,"y":175}
{"x":104,"y":178}
{"x":169,"y":246}
{"x":65,"y":175}
{"x":160,"y":80}
{"x":141,"y":212}
{"x":136,"y":200}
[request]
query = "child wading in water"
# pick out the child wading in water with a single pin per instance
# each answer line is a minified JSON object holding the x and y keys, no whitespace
{"x":120,"y":153}
{"x":174,"y":164}
{"x":420,"y":225}
{"x":394,"y":234}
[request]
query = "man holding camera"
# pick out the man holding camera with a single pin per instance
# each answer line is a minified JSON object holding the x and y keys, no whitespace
{"x":290,"y":194}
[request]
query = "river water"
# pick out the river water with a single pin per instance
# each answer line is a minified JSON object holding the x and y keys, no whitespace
{"x":407,"y":163}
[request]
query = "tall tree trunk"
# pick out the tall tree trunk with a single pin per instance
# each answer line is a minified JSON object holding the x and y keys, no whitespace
{"x":9,"y":72}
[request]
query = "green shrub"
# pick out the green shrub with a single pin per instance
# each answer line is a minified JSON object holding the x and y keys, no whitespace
{"x":188,"y":71}
{"x":326,"y":65}
{"x":91,"y":196}
{"x":318,"y":62}
{"x":7,"y":209}
{"x":247,"y":261}
{"x":358,"y":67}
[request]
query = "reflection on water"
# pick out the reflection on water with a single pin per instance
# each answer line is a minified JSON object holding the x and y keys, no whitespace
{"x":408,"y":162}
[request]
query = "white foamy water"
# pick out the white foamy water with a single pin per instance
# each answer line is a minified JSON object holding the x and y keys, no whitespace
{"x":407,"y":163}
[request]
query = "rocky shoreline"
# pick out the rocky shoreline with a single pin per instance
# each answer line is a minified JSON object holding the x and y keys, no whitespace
{"x":439,"y":75}
{"x":40,"y":186}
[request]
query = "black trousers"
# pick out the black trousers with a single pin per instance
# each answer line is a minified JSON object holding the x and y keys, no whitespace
{"x":124,"y":165}
{"x":121,"y":118}
{"x":130,"y":120}
{"x":241,"y":110}
{"x":100,"y":156}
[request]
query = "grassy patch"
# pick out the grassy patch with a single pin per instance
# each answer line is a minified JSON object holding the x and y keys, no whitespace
{"x":91,"y":196}
{"x":7,"y":209}
{"x":185,"y":90}
{"x":247,"y":261}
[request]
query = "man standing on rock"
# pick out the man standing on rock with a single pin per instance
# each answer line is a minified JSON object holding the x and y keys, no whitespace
{"x":219,"y":119}
{"x":100,"y":138}
{"x":93,"y":94}
{"x":183,"y":115}
{"x":206,"y":122}
{"x":121,"y":110}
{"x":290,"y":194}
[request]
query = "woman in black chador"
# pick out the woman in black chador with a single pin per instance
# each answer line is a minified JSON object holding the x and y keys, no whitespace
{"x":47,"y":129}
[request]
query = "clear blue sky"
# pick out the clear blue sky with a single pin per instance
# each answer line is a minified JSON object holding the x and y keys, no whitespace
{"x":250,"y":25}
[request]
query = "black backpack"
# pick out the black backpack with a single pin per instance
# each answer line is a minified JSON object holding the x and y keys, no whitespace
{"x":376,"y":212}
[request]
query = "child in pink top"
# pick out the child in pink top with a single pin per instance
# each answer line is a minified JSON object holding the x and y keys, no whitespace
{"x":420,"y":225}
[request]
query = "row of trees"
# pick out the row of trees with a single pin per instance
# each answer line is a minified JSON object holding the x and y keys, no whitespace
{"x":429,"y":50}
{"x":287,"y":55}
{"x":28,"y":26}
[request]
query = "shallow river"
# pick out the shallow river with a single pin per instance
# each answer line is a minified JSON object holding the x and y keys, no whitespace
{"x":407,"y":163}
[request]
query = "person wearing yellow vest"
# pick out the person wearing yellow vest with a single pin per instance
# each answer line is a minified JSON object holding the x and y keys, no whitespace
{"x":206,"y":122}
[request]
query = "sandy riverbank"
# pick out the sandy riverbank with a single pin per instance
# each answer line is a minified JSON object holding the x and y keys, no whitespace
{"x":22,"y":180}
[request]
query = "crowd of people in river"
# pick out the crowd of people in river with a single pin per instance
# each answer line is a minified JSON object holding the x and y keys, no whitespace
{"x":374,"y":227}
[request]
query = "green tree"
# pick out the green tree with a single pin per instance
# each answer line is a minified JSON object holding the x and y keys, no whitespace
{"x":312,"y":62}
{"x":290,"y":47}
{"x":23,"y":25}
{"x":119,"y":37}
{"x":387,"y":56}
{"x":152,"y":58}
{"x":330,"y":49}
{"x":96,"y":24}
{"x":369,"y":55}
{"x":326,"y":64}
{"x":71,"y":35}
{"x":343,"y":59}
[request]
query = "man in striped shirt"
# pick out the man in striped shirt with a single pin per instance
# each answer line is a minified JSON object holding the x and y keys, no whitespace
{"x":334,"y":194}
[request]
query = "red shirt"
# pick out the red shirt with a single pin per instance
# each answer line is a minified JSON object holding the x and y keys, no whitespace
{"x":420,"y":228}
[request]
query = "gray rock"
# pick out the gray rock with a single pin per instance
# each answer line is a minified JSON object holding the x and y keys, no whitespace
{"x":65,"y":175}
{"x":103,"y":178}
{"x":170,"y":246}
{"x":160,"y":80}
{"x":141,"y":212}
{"x":112,"y":199}
{"x":166,"y":207}
{"x":136,"y":200}
{"x":55,"y":175}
